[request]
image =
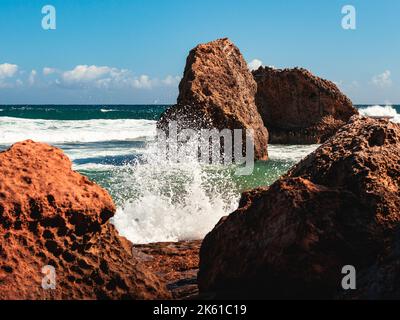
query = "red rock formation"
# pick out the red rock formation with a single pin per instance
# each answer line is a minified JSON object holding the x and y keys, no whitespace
{"x":217,"y":91}
{"x":298,"y":107}
{"x":339,"y":206}
{"x":176,"y":262}
{"x":51,"y":215}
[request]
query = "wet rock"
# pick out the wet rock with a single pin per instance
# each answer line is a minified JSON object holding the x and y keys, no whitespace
{"x":218,"y":91}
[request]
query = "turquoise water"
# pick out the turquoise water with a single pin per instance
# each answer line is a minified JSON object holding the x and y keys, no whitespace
{"x":157,"y":200}
{"x":100,"y":138}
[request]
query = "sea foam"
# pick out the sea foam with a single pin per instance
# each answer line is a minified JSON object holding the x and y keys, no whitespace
{"x":162,"y":201}
{"x":165,"y":201}
{"x":69,"y":131}
{"x":381,"y":111}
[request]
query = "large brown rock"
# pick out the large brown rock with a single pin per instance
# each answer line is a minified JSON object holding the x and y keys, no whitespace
{"x":176,"y":262}
{"x":52,"y":215}
{"x":339,"y":206}
{"x":298,"y":107}
{"x":218,"y":91}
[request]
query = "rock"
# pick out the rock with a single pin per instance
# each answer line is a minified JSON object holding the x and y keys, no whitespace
{"x":218,"y":91}
{"x":298,"y":107}
{"x":52,"y":215}
{"x":337,"y":207}
{"x":177,"y":263}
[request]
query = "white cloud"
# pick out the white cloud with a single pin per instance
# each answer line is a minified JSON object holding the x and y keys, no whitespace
{"x":85,"y":76}
{"x":382,"y":80}
{"x":8,"y":70}
{"x":95,"y":76}
{"x":109,"y":77}
{"x":47,"y":71}
{"x":254,"y":64}
{"x":85,"y":73}
{"x":32,"y":76}
{"x":142,"y":82}
{"x":171,"y":80}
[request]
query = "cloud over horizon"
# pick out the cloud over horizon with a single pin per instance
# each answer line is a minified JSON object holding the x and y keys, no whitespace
{"x":83,"y":76}
{"x":383,"y":80}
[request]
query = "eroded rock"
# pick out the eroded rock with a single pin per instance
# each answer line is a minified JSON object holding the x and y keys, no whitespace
{"x":218,"y":91}
{"x":298,"y":107}
{"x":52,"y":215}
{"x":339,"y":206}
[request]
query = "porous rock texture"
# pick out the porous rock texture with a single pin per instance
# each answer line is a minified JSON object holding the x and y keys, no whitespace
{"x":339,"y":206}
{"x":176,"y":262}
{"x":218,"y":91}
{"x":298,"y":107}
{"x":52,"y":215}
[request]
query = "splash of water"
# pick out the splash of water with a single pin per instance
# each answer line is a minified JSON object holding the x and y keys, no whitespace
{"x":167,"y":201}
{"x":381,"y":111}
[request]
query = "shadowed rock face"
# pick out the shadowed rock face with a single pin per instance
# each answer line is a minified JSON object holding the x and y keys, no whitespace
{"x":176,"y":262}
{"x":51,"y":215}
{"x":217,"y":91}
{"x":298,"y":107}
{"x":339,"y":206}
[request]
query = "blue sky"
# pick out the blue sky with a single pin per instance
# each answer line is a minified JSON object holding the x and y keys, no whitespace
{"x":134,"y":51}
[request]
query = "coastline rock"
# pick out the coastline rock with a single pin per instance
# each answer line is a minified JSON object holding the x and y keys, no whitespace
{"x":177,"y":263}
{"x":339,"y":206}
{"x":218,"y":91}
{"x":51,"y":215}
{"x":298,"y":107}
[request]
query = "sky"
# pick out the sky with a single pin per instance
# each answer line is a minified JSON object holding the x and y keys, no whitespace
{"x":134,"y":51}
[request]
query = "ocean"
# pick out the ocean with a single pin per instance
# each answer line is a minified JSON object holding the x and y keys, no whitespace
{"x":156,"y":200}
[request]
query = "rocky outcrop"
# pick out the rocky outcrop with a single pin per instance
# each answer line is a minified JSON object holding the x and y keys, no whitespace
{"x":218,"y":91}
{"x":337,"y":207}
{"x":52,"y":216}
{"x":298,"y":107}
{"x":177,"y":263}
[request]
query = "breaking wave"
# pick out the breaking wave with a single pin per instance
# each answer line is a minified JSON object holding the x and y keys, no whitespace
{"x":63,"y":131}
{"x":381,"y":111}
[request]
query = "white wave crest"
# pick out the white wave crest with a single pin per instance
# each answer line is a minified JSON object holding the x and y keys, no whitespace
{"x":68,"y":131}
{"x":172,"y":202}
{"x":381,"y":111}
{"x":290,"y":153}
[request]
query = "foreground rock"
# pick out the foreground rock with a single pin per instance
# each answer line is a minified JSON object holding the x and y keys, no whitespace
{"x":337,"y":207}
{"x":51,"y":215}
{"x":298,"y":107}
{"x":218,"y":91}
{"x":177,"y":263}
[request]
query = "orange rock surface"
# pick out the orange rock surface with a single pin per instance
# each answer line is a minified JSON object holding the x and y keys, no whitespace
{"x":218,"y":91}
{"x":52,"y":215}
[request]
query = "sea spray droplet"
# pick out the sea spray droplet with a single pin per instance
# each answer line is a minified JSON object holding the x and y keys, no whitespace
{"x":167,"y":201}
{"x":380,"y":111}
